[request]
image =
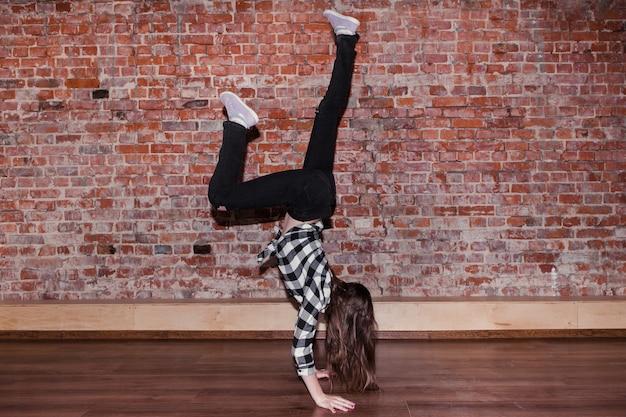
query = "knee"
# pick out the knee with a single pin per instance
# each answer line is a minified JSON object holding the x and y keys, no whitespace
{"x":215,"y":197}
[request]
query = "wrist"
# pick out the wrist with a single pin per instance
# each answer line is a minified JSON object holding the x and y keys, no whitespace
{"x":314,"y":388}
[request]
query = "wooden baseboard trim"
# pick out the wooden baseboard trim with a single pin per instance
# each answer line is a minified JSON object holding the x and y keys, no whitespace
{"x":286,"y":335}
{"x":267,"y":319}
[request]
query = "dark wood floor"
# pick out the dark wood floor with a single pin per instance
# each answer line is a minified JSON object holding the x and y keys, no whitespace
{"x":573,"y":378}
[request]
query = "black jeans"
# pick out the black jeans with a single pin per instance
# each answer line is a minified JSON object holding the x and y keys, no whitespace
{"x":307,"y":193}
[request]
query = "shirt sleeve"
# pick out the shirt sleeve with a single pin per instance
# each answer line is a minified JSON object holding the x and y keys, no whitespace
{"x":307,"y":277}
{"x":315,"y":298}
{"x":304,"y":337}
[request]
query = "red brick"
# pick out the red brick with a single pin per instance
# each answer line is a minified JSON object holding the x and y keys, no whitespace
{"x":82,"y":83}
{"x":449,"y":101}
{"x":466,"y":140}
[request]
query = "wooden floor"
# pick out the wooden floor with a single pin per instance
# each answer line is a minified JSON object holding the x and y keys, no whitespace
{"x":573,"y":378}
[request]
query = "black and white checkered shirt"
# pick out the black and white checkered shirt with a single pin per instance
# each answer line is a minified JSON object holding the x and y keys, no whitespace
{"x":307,"y":277}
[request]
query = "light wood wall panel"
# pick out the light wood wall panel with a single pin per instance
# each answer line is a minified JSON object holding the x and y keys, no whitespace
{"x":406,"y":315}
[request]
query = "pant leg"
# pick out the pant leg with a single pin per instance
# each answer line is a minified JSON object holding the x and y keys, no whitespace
{"x":229,"y":167}
{"x":321,"y":150}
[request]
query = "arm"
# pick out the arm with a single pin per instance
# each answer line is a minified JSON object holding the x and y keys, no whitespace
{"x":313,"y":274}
{"x":330,"y":402}
{"x":303,"y":356}
{"x":303,"y":351}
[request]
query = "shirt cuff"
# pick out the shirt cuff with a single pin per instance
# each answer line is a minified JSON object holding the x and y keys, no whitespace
{"x":305,"y":371}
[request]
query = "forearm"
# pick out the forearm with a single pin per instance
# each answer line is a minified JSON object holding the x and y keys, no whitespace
{"x":314,"y":387}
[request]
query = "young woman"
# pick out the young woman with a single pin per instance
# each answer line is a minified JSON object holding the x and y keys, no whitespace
{"x":308,"y":194}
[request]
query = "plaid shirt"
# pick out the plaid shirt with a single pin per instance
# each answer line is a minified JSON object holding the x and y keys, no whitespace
{"x":307,"y":277}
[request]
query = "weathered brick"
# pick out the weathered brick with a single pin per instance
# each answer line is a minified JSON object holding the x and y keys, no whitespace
{"x":481,"y":147}
{"x":11,"y":83}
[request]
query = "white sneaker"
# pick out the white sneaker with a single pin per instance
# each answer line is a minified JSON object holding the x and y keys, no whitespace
{"x":237,"y":110}
{"x":342,"y":25}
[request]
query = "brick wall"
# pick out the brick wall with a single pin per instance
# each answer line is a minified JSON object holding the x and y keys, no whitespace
{"x":484,"y":145}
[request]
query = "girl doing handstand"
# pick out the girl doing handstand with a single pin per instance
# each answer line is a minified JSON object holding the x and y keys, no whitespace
{"x":308,"y":194}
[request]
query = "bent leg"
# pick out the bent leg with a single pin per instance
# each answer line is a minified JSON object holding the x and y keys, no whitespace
{"x":305,"y":193}
{"x":226,"y":189}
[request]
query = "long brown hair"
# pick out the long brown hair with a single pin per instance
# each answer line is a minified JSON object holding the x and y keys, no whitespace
{"x":350,"y":334}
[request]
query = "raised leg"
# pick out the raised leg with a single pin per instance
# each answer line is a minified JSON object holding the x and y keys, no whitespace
{"x":321,"y":150}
